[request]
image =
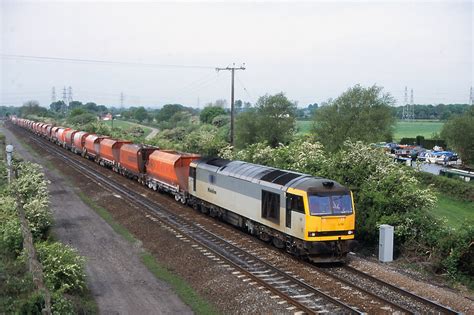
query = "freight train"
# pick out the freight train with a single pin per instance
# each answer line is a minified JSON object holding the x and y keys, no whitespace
{"x":307,"y":216}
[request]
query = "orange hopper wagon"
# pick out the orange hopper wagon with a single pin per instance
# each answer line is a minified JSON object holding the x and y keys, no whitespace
{"x":79,"y":141}
{"x":109,"y":151}
{"x":92,"y":144}
{"x":169,"y":170}
{"x":133,"y":159}
{"x":62,"y":135}
{"x":69,"y":138}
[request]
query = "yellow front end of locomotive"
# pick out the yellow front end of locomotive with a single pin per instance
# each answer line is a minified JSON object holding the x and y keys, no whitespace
{"x":329,"y":226}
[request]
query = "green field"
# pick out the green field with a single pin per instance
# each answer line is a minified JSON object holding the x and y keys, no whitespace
{"x":454,"y":210}
{"x":127,"y":125}
{"x":425,"y":128}
{"x":304,"y":126}
{"x":403,"y":129}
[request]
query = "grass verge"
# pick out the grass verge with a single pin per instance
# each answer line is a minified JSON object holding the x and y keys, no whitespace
{"x":186,"y":293}
{"x":454,"y":210}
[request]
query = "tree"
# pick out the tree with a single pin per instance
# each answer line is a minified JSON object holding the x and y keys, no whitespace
{"x":32,"y":108}
{"x":238,"y":104}
{"x":458,"y":132}
{"x":80,"y":116}
{"x":91,"y":106}
{"x":209,"y":113}
{"x":141,"y":114}
{"x":360,"y":113}
{"x":168,"y":111}
{"x":77,"y":112}
{"x":74,"y":104}
{"x":272,"y":120}
{"x":57,"y":106}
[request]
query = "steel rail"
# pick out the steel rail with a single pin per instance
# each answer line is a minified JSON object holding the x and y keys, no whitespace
{"x":198,"y":234}
{"x":441,"y":308}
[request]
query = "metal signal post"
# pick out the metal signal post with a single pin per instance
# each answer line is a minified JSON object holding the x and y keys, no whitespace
{"x":232,"y":69}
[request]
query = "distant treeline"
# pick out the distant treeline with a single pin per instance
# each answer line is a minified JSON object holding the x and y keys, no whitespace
{"x":440,"y":111}
{"x":435,"y":112}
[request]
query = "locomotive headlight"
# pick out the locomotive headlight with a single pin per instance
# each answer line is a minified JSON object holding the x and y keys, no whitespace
{"x":350,"y":232}
{"x":311,"y":234}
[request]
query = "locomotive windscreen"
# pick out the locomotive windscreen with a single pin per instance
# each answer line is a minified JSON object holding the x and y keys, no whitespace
{"x":330,"y":204}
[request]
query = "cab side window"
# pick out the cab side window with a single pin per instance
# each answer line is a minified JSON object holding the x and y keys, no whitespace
{"x":271,"y":206}
{"x":294,"y":203}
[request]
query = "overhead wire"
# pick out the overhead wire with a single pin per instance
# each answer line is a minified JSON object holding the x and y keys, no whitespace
{"x":245,"y":89}
{"x":99,"y":61}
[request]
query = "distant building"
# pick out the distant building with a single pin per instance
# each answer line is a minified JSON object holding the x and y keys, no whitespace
{"x":107,"y":116}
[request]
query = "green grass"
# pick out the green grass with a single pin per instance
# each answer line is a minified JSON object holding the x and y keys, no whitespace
{"x":122,"y":124}
{"x":304,"y":126}
{"x":425,"y":128}
{"x":403,"y":129}
{"x":454,"y":210}
{"x":187,"y":294}
{"x":184,"y":291}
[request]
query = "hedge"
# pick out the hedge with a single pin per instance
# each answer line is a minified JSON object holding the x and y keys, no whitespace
{"x":425,"y":143}
{"x":450,"y":186}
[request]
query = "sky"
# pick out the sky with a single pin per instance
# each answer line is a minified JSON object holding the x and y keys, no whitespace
{"x":157,"y":53}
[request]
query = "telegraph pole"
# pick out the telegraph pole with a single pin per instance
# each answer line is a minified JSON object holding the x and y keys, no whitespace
{"x":232,"y":69}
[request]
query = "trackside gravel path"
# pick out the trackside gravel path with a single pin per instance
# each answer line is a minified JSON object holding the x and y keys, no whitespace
{"x":118,"y":280}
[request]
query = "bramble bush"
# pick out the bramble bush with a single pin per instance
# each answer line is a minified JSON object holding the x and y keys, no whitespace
{"x":11,"y":239}
{"x":31,"y":190}
{"x":63,"y":267}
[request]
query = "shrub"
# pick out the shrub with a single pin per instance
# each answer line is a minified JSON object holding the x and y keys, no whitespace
{"x":206,"y":141}
{"x":451,"y":186}
{"x":32,"y":192}
{"x":61,"y":305}
{"x":11,"y":238}
{"x":300,"y":155}
{"x":456,"y":247}
{"x":31,"y":183}
{"x":63,"y":267}
{"x":39,"y":217}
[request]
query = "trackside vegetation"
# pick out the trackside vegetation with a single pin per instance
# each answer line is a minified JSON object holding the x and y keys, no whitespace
{"x":63,"y":268}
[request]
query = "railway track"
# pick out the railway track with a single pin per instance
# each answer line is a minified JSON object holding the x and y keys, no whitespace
{"x":398,"y":297}
{"x":303,"y":296}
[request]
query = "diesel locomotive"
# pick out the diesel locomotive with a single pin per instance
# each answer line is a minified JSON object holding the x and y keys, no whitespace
{"x":307,"y":216}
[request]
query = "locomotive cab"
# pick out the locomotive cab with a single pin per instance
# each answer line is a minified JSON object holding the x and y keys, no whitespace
{"x":329,"y":216}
